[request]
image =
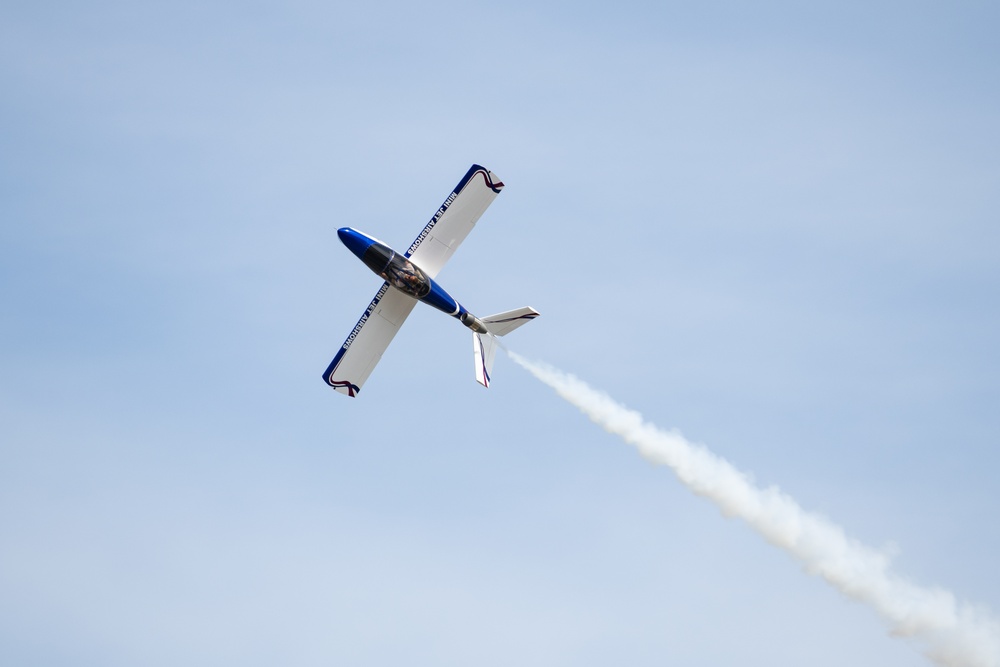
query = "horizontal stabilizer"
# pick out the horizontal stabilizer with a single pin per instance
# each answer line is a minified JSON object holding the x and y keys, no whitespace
{"x":502,"y":324}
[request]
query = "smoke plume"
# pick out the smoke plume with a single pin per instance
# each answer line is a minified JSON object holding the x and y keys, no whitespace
{"x":950,"y":633}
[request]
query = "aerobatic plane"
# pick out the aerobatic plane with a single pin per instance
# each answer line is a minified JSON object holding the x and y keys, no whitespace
{"x":410,"y":278}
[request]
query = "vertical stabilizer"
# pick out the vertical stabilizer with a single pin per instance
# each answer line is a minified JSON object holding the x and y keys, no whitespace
{"x":485,"y":348}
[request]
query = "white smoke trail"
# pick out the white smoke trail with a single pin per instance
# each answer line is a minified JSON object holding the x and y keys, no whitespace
{"x":951,"y":633}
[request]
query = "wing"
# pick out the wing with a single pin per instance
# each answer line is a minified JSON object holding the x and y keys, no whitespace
{"x":369,"y":339}
{"x":454,"y":220}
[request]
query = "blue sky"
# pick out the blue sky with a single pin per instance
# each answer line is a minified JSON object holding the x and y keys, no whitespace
{"x":773,"y":227}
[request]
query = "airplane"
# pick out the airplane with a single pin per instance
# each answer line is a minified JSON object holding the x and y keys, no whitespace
{"x":410,"y":277}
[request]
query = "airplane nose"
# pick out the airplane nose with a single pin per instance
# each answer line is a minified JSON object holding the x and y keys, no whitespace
{"x":355,"y":241}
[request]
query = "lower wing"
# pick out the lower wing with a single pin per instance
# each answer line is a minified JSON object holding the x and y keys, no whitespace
{"x":368,"y":340}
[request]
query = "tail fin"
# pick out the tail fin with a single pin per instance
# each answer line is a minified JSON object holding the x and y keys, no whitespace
{"x":485,"y":345}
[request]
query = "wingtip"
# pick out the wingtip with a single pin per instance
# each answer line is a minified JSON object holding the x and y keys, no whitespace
{"x":344,"y":387}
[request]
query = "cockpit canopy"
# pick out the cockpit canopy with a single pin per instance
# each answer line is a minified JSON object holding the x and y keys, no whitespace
{"x":397,"y":270}
{"x":377,"y":257}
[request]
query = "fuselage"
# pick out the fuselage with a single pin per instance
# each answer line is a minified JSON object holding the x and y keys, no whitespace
{"x":402,"y":274}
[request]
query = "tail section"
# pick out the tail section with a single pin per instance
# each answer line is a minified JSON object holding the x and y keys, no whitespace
{"x":485,"y":344}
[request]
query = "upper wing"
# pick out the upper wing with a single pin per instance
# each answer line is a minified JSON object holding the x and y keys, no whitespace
{"x":369,"y":339}
{"x":454,"y":220}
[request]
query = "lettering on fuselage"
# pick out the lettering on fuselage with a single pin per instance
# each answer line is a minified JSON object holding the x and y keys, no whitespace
{"x":364,"y":318}
{"x":430,"y":225}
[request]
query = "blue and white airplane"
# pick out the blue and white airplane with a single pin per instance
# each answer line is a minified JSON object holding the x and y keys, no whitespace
{"x":411,"y":277}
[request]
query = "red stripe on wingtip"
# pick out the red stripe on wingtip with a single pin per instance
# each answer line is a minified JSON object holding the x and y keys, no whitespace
{"x":352,"y":389}
{"x":486,"y":177}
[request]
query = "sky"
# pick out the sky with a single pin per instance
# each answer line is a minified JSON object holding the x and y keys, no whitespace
{"x":771,"y":226}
